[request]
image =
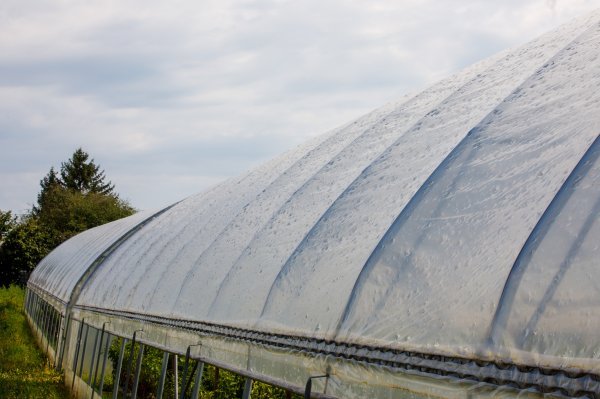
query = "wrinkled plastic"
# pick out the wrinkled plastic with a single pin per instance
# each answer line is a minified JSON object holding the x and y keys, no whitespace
{"x":59,"y":272}
{"x":406,"y":229}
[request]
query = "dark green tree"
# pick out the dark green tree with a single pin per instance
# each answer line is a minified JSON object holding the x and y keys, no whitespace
{"x":7,"y":223}
{"x":84,"y":176}
{"x":68,"y":203}
{"x":47,"y":184}
{"x":24,"y":246}
{"x":66,"y":212}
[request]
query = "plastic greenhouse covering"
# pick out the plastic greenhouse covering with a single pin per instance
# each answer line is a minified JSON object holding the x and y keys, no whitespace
{"x":461,"y":223}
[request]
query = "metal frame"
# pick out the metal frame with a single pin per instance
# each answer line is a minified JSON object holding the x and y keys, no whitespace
{"x":185,"y":370}
{"x":138,"y":369}
{"x":197,"y":380}
{"x":77,"y":348}
{"x":87,"y":333}
{"x":119,"y":368}
{"x":163,"y":375}
{"x":98,"y":359}
{"x":247,"y":388}
{"x":96,"y":344}
{"x":130,"y":363}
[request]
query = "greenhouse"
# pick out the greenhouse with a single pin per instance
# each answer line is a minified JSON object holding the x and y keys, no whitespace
{"x":445,"y":245}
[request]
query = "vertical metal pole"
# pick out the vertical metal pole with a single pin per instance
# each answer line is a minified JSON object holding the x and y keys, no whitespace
{"x":79,"y":332}
{"x":176,"y":375}
{"x":129,"y":365}
{"x":66,"y":330}
{"x":57,"y":349}
{"x":52,"y":324}
{"x":55,"y":327}
{"x":33,"y":309}
{"x":118,"y":371}
{"x":87,"y":332}
{"x":47,"y":328}
{"x":98,"y":360}
{"x":43,"y":319}
{"x":197,"y":380}
{"x":185,"y":370}
{"x":106,"y":349}
{"x":52,"y":334}
{"x":163,"y":374}
{"x":247,"y":388}
{"x":38,"y":314}
{"x":96,"y":344}
{"x":42,"y":315}
{"x":138,"y":369}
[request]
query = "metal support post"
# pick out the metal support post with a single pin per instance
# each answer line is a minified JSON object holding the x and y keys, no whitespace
{"x":308,"y":388}
{"x":47,"y":329}
{"x":58,"y":349}
{"x":106,"y":348}
{"x":130,"y":364}
{"x":51,"y":326}
{"x":185,"y":370}
{"x":247,"y":388}
{"x":197,"y":380}
{"x":96,"y":344}
{"x":77,"y":347}
{"x":99,"y":353}
{"x":37,"y":314}
{"x":67,"y":322}
{"x":43,"y":318}
{"x":163,"y":374}
{"x":138,"y":369}
{"x":118,"y":371}
{"x":175,"y":373}
{"x":87,"y":332}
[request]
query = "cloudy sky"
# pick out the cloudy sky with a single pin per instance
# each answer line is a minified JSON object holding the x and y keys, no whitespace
{"x":172,"y":97}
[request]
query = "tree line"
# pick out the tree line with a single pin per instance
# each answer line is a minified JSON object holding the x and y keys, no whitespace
{"x":71,"y":200}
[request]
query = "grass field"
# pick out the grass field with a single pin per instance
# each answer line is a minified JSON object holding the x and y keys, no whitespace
{"x":23,"y":369}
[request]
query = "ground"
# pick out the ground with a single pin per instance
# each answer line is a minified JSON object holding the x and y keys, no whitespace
{"x":24,"y":372}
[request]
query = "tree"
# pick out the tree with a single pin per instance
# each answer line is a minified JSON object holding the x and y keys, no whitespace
{"x":66,"y":212}
{"x":86,"y":177}
{"x":68,"y":203}
{"x":24,"y":246}
{"x":48,"y":183}
{"x":7,"y":223}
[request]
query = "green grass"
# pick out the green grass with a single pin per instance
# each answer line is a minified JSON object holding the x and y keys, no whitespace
{"x":23,"y":369}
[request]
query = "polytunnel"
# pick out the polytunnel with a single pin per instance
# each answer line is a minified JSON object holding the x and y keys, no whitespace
{"x":445,"y":245}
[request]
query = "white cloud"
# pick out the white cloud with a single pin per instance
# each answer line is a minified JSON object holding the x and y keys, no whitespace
{"x":164,"y":94}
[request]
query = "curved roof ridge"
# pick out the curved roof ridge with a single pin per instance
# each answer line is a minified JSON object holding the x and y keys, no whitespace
{"x":441,"y":167}
{"x":535,"y":237}
{"x":207,"y":199}
{"x":411,"y":111}
{"x":516,"y":172}
{"x":243,"y":220}
{"x":519,"y":64}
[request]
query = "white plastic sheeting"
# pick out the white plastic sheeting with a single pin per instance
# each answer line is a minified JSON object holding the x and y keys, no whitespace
{"x":404,"y":229}
{"x":552,"y":301}
{"x":59,"y":272}
{"x":463,"y":231}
